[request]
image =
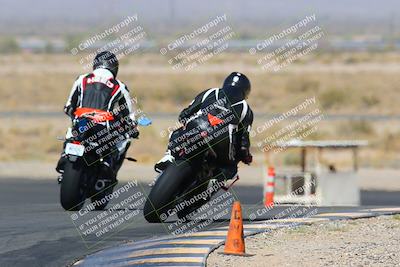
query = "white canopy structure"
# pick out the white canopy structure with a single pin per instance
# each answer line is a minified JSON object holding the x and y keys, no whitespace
{"x":319,"y":186}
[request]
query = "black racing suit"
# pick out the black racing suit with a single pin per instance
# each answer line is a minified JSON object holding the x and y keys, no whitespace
{"x":234,"y":145}
{"x":99,"y":90}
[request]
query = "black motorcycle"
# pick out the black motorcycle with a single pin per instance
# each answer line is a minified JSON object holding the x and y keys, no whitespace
{"x":192,"y":177}
{"x":91,"y":159}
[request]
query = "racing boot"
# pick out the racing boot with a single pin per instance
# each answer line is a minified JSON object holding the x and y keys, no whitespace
{"x":164,"y":162}
{"x":61,"y":163}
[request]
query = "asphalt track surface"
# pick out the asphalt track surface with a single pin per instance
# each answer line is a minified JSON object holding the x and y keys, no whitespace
{"x":35,"y":231}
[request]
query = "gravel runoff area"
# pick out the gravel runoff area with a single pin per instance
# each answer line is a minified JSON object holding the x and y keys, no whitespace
{"x":361,"y":242}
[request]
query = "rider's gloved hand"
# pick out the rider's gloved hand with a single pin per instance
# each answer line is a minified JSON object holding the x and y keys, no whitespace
{"x":245,"y":156}
{"x":248,"y":159}
{"x":134,"y":133}
{"x":130,"y":128}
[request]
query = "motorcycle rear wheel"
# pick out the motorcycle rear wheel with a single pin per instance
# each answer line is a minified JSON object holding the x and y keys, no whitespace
{"x":101,"y":197}
{"x":183,"y":213}
{"x":72,"y":196}
{"x":164,"y":191}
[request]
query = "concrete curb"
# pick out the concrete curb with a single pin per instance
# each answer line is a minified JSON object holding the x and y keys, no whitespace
{"x":193,"y":250}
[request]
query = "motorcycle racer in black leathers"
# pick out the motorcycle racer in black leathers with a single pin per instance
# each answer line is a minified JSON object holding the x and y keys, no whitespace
{"x":235,"y":90}
{"x":101,"y":90}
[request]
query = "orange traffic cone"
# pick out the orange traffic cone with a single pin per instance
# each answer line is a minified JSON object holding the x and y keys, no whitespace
{"x":234,"y":244}
{"x":269,"y":187}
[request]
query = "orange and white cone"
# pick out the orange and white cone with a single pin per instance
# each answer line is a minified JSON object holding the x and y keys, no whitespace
{"x":269,"y":187}
{"x":234,"y":244}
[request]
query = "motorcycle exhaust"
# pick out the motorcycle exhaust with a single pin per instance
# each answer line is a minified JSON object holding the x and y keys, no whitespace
{"x":99,"y":185}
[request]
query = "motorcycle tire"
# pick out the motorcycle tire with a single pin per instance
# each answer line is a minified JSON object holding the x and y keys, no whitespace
{"x":183,"y":213}
{"x":72,"y":196}
{"x":101,"y":196}
{"x":164,"y":191}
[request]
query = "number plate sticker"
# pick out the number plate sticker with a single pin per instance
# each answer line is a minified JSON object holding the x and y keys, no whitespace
{"x":74,"y":149}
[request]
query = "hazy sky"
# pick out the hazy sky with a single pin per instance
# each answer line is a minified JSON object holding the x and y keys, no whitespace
{"x":77,"y":9}
{"x":36,"y":15}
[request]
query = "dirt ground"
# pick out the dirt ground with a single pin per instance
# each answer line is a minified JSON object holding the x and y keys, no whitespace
{"x":341,"y":83}
{"x":363,"y":242}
